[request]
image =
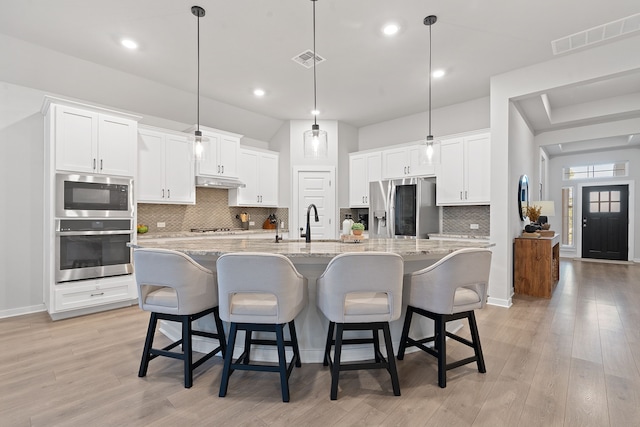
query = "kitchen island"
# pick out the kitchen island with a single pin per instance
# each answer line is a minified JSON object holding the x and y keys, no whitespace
{"x":311,"y":260}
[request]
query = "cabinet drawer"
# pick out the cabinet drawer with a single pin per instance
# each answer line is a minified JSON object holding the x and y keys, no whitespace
{"x":70,"y":296}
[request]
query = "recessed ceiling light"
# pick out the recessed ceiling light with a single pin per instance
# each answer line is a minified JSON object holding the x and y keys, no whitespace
{"x":315,"y":112}
{"x":390,"y":29}
{"x":259,"y":92}
{"x":129,"y":44}
{"x":438,"y":73}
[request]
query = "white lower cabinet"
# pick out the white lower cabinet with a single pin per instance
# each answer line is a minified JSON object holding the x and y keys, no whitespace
{"x":258,"y":170}
{"x":90,"y":293}
{"x":465,"y":172}
{"x":165,"y":168}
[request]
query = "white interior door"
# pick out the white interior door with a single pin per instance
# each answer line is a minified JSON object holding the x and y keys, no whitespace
{"x":316,"y":187}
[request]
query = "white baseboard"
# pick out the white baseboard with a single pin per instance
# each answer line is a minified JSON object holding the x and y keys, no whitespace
{"x":500,"y":302}
{"x":22,"y":311}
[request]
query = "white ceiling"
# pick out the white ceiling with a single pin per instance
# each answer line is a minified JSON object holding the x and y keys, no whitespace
{"x":366,"y":78}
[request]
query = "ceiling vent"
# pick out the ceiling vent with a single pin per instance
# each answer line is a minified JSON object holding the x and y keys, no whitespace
{"x":598,"y":34}
{"x":306,"y":59}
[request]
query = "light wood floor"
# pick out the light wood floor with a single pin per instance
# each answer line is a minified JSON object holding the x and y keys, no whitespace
{"x":572,"y":360}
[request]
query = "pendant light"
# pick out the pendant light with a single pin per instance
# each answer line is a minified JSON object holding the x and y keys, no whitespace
{"x":315,"y":140}
{"x":429,"y":21}
{"x":199,"y":13}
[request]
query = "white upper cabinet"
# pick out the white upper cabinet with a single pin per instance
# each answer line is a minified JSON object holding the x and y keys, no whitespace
{"x":219,"y":155}
{"x":363,"y":168}
{"x":92,"y":142}
{"x":464,"y":174}
{"x":258,"y":170}
{"x":410,"y":161}
{"x":165,"y":168}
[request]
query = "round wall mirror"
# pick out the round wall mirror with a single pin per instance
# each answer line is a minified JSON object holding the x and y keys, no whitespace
{"x":523,"y":196}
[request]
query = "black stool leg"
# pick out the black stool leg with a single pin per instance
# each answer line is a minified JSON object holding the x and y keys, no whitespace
{"x":395,"y":383}
{"x":186,"y":351}
{"x":220,"y":330}
{"x":405,"y":333}
{"x":376,"y":344}
{"x":247,"y":345}
{"x":440,"y":343}
{"x":226,"y":371}
{"x":148,"y":343}
{"x":475,"y":337}
{"x":327,"y":348}
{"x":335,"y":371}
{"x":294,"y":343}
{"x":284,"y":381}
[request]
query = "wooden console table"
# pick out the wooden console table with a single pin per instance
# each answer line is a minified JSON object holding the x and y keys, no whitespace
{"x":536,"y":265}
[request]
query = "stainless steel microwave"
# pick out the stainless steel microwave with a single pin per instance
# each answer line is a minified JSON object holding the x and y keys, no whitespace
{"x":93,"y":196}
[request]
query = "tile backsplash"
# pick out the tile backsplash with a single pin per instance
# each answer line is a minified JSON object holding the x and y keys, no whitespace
{"x":457,"y":220}
{"x":210,"y":211}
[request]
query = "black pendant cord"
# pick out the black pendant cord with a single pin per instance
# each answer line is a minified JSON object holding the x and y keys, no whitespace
{"x":198,"y":74}
{"x":315,"y":108}
{"x":429,"y":83}
{"x":429,"y":21}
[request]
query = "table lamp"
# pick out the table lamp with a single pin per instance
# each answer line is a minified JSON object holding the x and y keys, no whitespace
{"x":547,"y":209}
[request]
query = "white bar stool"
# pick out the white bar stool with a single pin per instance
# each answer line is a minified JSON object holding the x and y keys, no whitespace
{"x":260,"y":292}
{"x":450,"y":289}
{"x":361,"y":291}
{"x":174,"y":287}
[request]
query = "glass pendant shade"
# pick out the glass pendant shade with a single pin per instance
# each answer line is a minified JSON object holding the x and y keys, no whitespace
{"x":315,"y":142}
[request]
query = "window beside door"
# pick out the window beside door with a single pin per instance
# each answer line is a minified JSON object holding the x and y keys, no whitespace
{"x":567,"y":216}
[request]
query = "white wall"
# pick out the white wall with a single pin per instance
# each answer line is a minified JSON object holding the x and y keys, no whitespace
{"x":588,"y":65}
{"x":21,"y":199}
{"x":348,"y":143}
{"x":29,"y":65}
{"x":453,"y":119}
{"x":556,"y":183}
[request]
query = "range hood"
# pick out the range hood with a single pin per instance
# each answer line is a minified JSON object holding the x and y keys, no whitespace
{"x":218,"y":182}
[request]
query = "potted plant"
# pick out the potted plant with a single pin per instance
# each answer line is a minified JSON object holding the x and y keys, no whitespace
{"x":357,"y":228}
{"x":533,"y":212}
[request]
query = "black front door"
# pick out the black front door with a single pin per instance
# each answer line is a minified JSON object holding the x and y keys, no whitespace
{"x":605,"y":222}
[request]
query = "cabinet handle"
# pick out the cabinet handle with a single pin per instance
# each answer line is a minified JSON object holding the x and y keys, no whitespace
{"x":366,"y":199}
{"x":362,"y":199}
{"x":163,"y":193}
{"x":466,"y":196}
{"x":100,"y":164}
{"x":222,"y":168}
{"x":260,"y":199}
{"x":218,"y":168}
{"x":408,"y":169}
{"x":461,"y":196}
{"x":168,"y":193}
{"x":97,"y":294}
{"x":94,"y":164}
{"x":257,"y":199}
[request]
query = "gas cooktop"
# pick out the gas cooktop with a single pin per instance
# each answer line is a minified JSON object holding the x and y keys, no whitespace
{"x":214,"y":230}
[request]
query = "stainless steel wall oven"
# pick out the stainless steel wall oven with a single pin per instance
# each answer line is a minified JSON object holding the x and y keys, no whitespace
{"x":92,"y":248}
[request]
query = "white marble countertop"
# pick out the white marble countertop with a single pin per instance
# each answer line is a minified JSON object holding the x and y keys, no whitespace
{"x":407,"y":248}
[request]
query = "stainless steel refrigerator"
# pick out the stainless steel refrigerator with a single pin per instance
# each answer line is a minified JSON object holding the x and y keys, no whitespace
{"x":403,"y":208}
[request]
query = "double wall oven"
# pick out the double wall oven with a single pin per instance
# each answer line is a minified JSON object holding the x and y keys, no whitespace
{"x":94,"y":224}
